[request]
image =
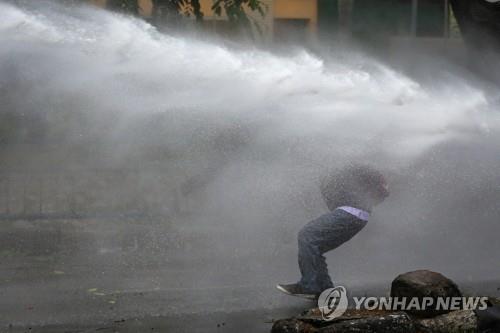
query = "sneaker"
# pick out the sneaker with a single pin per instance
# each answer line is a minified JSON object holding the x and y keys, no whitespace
{"x":297,"y":290}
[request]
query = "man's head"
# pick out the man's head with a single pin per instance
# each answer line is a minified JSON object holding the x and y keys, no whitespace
{"x":372,"y":182}
{"x":356,"y":185}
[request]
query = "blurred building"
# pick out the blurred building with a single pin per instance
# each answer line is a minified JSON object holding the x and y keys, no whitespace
{"x":395,"y":26}
{"x":302,"y":21}
{"x":418,"y":18}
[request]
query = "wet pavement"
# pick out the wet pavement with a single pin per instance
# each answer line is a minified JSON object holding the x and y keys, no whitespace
{"x":141,"y":301}
{"x":117,"y":298}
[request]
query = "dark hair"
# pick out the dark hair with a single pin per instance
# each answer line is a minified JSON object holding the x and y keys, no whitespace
{"x":359,"y":186}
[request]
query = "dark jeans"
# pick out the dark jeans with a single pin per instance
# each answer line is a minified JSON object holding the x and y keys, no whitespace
{"x":319,"y":236}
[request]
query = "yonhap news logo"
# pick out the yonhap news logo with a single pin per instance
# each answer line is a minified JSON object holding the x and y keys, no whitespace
{"x":333,"y":303}
{"x":421,"y":303}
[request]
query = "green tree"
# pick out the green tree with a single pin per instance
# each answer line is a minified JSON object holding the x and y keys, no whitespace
{"x":235,"y":12}
{"x":171,"y":10}
{"x":235,"y":9}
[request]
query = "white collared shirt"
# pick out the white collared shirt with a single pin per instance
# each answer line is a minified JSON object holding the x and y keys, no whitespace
{"x":359,"y":213}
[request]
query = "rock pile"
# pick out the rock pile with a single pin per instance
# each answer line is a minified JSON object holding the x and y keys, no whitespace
{"x":427,"y":288}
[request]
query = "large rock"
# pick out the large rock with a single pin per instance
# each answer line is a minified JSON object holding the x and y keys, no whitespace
{"x":352,"y":321}
{"x":390,"y":323}
{"x":489,"y":319}
{"x":424,"y":283}
{"x":463,"y":321}
{"x":292,"y":325}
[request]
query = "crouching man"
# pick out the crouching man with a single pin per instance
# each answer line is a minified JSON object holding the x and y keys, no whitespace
{"x":350,"y":196}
